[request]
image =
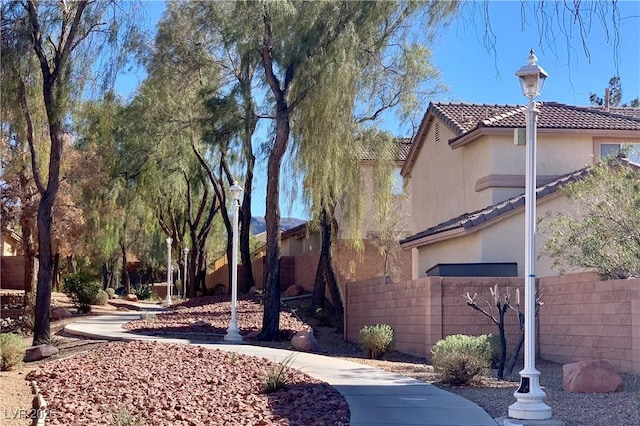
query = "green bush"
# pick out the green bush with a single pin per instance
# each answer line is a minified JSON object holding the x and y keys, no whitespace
{"x":375,"y":340}
{"x":494,"y":343}
{"x":101,"y":298}
{"x":110,"y":292}
{"x":82,"y":289}
{"x":142,"y":292}
{"x":460,"y":359}
{"x":12,"y":351}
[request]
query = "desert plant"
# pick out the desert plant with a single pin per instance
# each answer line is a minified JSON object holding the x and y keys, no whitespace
{"x":233,"y":358}
{"x":460,"y":359}
{"x":110,"y":292}
{"x":277,"y":376}
{"x":101,"y":298}
{"x":82,"y":289}
{"x":376,"y":340}
{"x":12,"y":351}
{"x":142,"y":292}
{"x":149,"y":317}
{"x":122,"y":417}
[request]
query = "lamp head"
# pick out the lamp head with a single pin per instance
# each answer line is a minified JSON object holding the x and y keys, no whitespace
{"x":532,"y":77}
{"x":235,"y":190}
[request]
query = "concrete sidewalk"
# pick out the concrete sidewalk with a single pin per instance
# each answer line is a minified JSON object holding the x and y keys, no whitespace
{"x":375,"y":397}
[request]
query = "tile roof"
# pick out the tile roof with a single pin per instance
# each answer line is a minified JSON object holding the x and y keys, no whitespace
{"x":464,"y":118}
{"x":398,"y":151}
{"x":469,"y":220}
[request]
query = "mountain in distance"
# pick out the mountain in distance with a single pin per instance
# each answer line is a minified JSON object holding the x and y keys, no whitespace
{"x":259,"y":224}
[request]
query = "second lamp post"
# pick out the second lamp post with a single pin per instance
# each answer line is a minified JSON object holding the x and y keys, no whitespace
{"x":233,"y":333}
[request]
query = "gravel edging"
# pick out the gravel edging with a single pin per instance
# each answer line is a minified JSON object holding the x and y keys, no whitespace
{"x":39,"y":404}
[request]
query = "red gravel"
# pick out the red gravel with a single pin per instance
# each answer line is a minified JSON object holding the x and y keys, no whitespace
{"x":168,"y":384}
{"x":211,"y":315}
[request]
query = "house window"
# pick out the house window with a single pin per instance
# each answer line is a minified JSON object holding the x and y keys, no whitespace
{"x":629,"y":150}
{"x":397,"y":187}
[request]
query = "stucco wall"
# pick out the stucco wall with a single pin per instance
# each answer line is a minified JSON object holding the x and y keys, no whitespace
{"x":444,"y":179}
{"x":581,"y":318}
{"x":503,"y":241}
{"x":466,"y":249}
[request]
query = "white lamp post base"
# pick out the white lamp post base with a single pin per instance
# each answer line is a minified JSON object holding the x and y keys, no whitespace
{"x":233,"y":334}
{"x":529,"y":398}
{"x":167,"y":301}
{"x":517,"y":422}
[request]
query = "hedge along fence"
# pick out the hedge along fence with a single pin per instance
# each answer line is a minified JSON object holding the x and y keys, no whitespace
{"x":581,"y":318}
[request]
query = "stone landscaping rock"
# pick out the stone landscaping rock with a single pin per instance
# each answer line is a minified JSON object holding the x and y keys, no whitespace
{"x":60,"y":313}
{"x":293,"y":290}
{"x":35,"y":353}
{"x":591,"y":377}
{"x":131,"y":297}
{"x":305,"y":341}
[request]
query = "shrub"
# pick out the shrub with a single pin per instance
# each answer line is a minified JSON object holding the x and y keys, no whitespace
{"x":460,"y":359}
{"x":110,"y":292}
{"x":142,"y":292}
{"x":376,"y":340}
{"x":101,"y":298}
{"x":122,"y":417}
{"x":82,"y":289}
{"x":12,"y":351}
{"x":494,"y":343}
{"x":277,"y":376}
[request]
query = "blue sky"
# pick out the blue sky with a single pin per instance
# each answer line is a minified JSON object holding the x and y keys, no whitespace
{"x":476,"y":74}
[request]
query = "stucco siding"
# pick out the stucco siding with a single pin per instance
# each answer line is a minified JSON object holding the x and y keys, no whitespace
{"x":456,"y":250}
{"x":502,"y":241}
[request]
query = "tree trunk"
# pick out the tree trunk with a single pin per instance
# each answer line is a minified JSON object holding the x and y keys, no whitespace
{"x":245,"y":217}
{"x":245,"y":235}
{"x":71,"y":264}
{"x":336,"y":294}
{"x":41,"y":328}
{"x":503,"y":347}
{"x":56,"y":271}
{"x":320,"y":283}
{"x":125,"y":272}
{"x":271,"y":318}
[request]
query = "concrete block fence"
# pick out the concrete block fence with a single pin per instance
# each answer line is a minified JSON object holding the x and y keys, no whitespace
{"x":582,"y":316}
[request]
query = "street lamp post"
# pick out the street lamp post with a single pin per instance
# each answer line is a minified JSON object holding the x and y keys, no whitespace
{"x":529,"y":403}
{"x":233,"y":333}
{"x":184,"y":278}
{"x":168,"y":299}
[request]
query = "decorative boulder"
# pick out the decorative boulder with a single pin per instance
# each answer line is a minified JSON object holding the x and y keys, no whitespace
{"x":293,"y":290}
{"x":591,"y":377}
{"x":131,"y":297}
{"x":305,"y":341}
{"x":60,"y":313}
{"x":35,"y":353}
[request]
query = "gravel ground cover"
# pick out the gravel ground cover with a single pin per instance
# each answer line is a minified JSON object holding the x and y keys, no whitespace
{"x":212,"y":315}
{"x":169,"y":384}
{"x":614,"y":409}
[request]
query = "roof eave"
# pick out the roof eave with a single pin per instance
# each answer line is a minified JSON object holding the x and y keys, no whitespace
{"x":462,"y":231}
{"x":417,"y":142}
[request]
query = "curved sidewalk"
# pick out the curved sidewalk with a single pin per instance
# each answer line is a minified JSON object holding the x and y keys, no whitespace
{"x":375,"y":397}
